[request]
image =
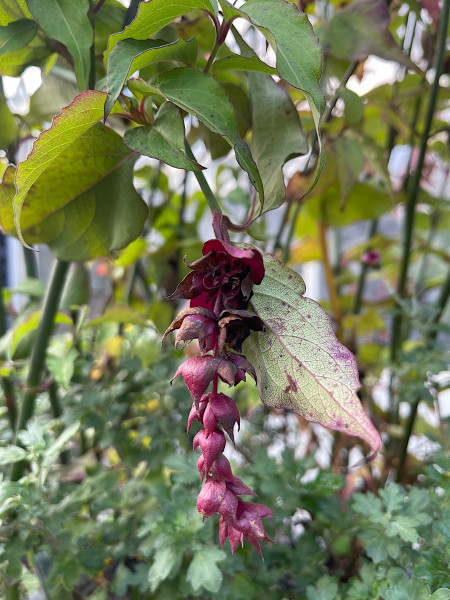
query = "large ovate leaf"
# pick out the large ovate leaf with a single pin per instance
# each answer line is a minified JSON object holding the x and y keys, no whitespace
{"x":276,"y":135}
{"x":163,"y":140}
{"x":363,"y":202}
{"x":75,"y":190}
{"x":361,"y":29}
{"x":152,"y":16}
{"x":16,"y":35}
{"x":204,"y":97}
{"x":299,"y":56}
{"x":299,"y":362}
{"x":18,"y":53}
{"x":68,"y":22}
{"x":131,"y":55}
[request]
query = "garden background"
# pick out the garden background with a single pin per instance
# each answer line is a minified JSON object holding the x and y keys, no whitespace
{"x":99,"y":480}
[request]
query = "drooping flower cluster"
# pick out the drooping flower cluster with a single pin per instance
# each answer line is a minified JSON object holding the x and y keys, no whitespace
{"x":219,"y":287}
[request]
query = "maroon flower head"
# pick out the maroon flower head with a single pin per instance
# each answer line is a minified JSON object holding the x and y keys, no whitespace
{"x":222,"y":278}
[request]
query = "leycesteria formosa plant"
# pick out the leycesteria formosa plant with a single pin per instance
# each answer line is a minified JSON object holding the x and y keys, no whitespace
{"x":298,"y":363}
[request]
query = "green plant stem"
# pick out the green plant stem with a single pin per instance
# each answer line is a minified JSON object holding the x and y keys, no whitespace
{"x":364,"y":269}
{"x":92,"y":72}
{"x":331,"y":283}
{"x":7,"y":384}
{"x":12,"y":592}
{"x":287,"y":245}
{"x":212,"y":56}
{"x":204,"y":185}
{"x":434,"y":220}
{"x":414,"y":184}
{"x":37,"y":361}
{"x":57,"y":412}
{"x":405,"y":441}
{"x":441,"y":304}
{"x":412,"y":196}
{"x":30,"y":262}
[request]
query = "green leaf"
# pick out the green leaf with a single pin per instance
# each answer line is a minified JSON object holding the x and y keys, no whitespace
{"x":153,"y":16}
{"x":361,"y":29}
{"x":131,"y":55}
{"x":203,"y":570}
{"x":299,"y":362}
{"x":167,"y":560}
{"x":367,"y":504}
{"x":354,"y":107}
{"x":364,"y":202}
{"x":11,"y":454}
{"x":99,"y":210}
{"x":76,"y":291}
{"x":392,"y":496}
{"x":349,"y":161}
{"x":375,"y":543}
{"x":31,"y":287}
{"x":241,"y":63}
{"x":15,"y":59}
{"x":30,"y":325}
{"x":276,"y":135}
{"x":118,"y":314}
{"x":299,"y":55}
{"x":49,"y":99}
{"x":204,"y":97}
{"x":16,"y":35}
{"x":397,"y":593}
{"x":51,"y":454}
{"x":61,"y":356}
{"x":68,"y":22}
{"x":441,"y":594}
{"x":7,"y":193}
{"x":403,"y":527}
{"x":163,"y":140}
{"x":325,"y":589}
{"x":8,"y":131}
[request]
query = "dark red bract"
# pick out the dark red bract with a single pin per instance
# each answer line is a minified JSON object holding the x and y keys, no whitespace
{"x":219,"y":288}
{"x":222,"y":278}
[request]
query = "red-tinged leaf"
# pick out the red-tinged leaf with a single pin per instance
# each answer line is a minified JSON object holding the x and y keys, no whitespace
{"x":75,"y":189}
{"x":299,"y":362}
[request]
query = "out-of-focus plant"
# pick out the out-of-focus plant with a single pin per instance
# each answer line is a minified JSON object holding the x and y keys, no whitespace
{"x":98,"y":492}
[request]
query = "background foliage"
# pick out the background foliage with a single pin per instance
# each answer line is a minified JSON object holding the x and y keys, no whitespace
{"x":100,"y":501}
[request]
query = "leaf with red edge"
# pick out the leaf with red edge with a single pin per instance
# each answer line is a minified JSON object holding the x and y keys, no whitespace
{"x":299,"y":362}
{"x":75,"y":190}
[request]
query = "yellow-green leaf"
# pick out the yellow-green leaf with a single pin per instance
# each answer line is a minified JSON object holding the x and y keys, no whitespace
{"x":75,"y":190}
